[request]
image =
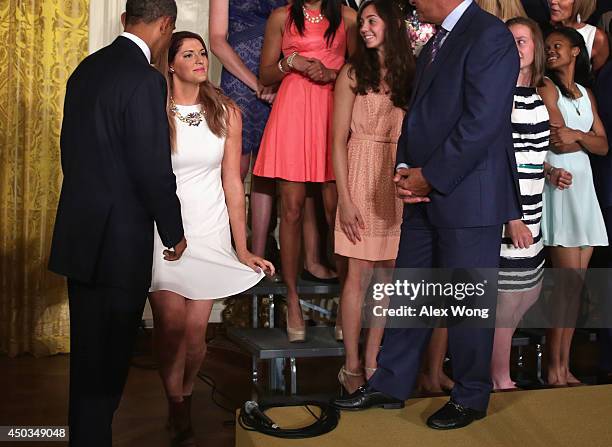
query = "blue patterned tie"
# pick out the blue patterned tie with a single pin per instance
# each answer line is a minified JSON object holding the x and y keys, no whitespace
{"x":437,"y":43}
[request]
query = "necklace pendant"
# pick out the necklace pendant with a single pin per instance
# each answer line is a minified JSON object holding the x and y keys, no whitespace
{"x":194,"y":119}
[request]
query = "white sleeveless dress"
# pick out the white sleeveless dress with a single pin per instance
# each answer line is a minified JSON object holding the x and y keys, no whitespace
{"x":209,"y":267}
{"x":588,"y":33}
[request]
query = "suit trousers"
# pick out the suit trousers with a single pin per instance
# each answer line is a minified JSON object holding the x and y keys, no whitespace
{"x":425,"y":246}
{"x":103,"y":325}
{"x":605,"y":334}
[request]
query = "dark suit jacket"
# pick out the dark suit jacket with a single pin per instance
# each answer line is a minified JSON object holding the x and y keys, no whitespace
{"x":458,"y":125}
{"x":117,"y":170}
{"x":602,"y":166}
{"x":603,"y":6}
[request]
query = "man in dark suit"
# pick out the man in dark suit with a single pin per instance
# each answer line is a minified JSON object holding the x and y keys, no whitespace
{"x":457,"y":175}
{"x":118,"y":181}
{"x":601,"y":8}
{"x":602,"y":177}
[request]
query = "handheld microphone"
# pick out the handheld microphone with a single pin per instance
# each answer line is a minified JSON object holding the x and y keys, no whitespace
{"x":251,"y":408}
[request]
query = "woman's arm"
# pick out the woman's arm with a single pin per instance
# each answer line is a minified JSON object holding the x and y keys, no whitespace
{"x":234,"y":192}
{"x":350,"y":27}
{"x":344,"y":100}
{"x":269,"y":72}
{"x":601,"y":50}
{"x":550,"y":96}
{"x":218,"y":25}
{"x":595,"y":141}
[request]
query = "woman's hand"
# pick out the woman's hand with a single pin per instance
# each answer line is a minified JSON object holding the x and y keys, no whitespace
{"x":300,"y":63}
{"x":318,"y":72}
{"x":519,"y":233}
{"x":350,"y":221}
{"x":563,"y":135}
{"x":256,"y":263}
{"x":267,"y":94}
{"x":560,"y":178}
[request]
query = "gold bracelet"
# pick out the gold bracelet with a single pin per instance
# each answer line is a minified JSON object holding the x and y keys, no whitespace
{"x":291,"y":58}
{"x":280,"y":67}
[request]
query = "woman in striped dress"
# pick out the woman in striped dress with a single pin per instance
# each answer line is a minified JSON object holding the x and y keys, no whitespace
{"x":522,"y":256}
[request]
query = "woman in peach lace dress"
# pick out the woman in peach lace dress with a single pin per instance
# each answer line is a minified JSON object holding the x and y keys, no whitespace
{"x":371,"y":92}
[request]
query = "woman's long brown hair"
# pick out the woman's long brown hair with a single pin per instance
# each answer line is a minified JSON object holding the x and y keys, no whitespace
{"x":539,"y":56}
{"x":398,"y":61}
{"x":215,"y":104}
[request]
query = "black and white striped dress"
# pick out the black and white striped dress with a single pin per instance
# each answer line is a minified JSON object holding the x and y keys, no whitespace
{"x":522,"y":268}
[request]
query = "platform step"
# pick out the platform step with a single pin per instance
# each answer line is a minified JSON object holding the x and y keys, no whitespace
{"x":266,"y":343}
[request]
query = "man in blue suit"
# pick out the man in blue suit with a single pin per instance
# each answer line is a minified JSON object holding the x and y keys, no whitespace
{"x":602,"y":176}
{"x":456,"y":172}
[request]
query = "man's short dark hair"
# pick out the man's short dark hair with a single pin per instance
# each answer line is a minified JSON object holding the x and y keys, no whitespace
{"x":148,"y":11}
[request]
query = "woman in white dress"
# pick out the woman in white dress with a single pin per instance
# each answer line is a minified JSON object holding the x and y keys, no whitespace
{"x":575,"y":13}
{"x":206,"y":143}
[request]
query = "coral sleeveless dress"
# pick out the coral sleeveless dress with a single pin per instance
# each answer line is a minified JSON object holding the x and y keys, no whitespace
{"x":296,"y":144}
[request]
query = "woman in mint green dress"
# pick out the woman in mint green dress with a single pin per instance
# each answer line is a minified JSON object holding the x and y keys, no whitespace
{"x":572,"y":222}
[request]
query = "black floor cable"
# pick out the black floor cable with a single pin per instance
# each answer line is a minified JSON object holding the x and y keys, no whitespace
{"x":324,"y":423}
{"x":213,"y":386}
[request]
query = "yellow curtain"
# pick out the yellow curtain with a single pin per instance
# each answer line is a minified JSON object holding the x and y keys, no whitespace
{"x":41,"y":42}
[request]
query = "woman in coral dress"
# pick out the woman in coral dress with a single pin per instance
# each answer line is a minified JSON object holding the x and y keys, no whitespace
{"x":295,"y":149}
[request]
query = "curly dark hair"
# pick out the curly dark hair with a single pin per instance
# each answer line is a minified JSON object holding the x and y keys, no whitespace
{"x":582,"y":69}
{"x":399,"y":60}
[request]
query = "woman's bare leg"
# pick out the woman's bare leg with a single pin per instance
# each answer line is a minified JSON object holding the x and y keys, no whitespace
{"x":293,"y":196}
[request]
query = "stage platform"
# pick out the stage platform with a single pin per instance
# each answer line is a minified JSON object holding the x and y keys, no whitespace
{"x":565,"y":417}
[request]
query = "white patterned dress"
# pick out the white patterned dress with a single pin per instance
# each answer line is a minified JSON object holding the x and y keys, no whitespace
{"x":522,"y":268}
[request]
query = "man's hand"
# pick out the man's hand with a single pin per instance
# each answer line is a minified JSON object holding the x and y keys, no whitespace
{"x":176,"y":252}
{"x":411,"y":186}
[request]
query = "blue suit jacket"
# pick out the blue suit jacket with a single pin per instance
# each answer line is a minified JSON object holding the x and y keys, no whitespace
{"x":602,"y":166}
{"x":458,"y":125}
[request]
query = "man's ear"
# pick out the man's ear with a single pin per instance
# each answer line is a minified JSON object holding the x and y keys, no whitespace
{"x":123,"y":20}
{"x":167,"y":25}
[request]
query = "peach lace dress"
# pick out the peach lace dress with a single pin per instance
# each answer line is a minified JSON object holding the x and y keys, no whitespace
{"x":375,"y":128}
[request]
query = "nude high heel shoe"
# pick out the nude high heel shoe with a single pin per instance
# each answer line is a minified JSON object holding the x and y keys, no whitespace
{"x":338,"y":333}
{"x":294,"y":335}
{"x":343,"y":376}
